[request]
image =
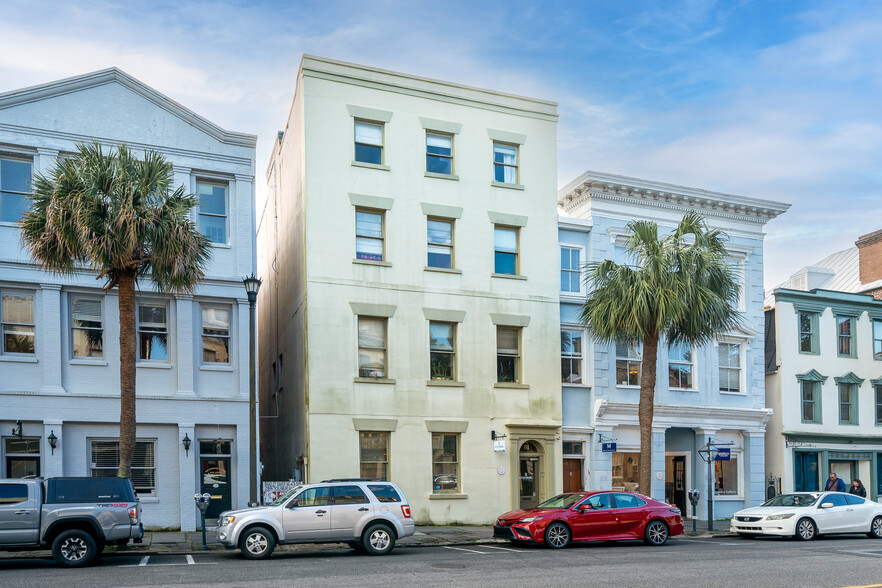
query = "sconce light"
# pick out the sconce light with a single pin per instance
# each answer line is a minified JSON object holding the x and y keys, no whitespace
{"x":16,"y":430}
{"x":186,"y":443}
{"x":53,"y":441}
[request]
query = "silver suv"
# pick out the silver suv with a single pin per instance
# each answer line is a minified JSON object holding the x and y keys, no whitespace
{"x":367,"y":515}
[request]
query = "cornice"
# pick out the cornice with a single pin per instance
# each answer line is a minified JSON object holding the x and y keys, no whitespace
{"x":840,"y":303}
{"x":696,"y":417}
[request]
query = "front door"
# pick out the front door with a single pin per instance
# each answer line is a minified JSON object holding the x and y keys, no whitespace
{"x":216,"y":482}
{"x":19,"y":516}
{"x":572,"y":471}
{"x":594,"y":522}
{"x":675,"y":487}
{"x":307,"y":516}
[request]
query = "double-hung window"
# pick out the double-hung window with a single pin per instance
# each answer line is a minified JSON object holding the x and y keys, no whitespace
{"x":104,"y":457}
{"x":845,"y":346}
{"x":15,"y":185}
{"x":680,"y":366}
{"x":570,"y":269}
{"x":505,"y":163}
{"x":505,"y":248}
{"x":440,"y":243}
{"x":369,"y":142}
{"x":17,"y":319}
{"x":369,"y":236}
{"x":811,"y":401}
{"x":508,"y":354}
{"x":442,"y":346}
{"x":374,"y":454}
{"x":848,"y":404}
{"x":730,"y":367}
{"x":878,"y":391}
{"x":87,"y":327}
{"x":216,"y":334}
{"x":808,"y":332}
{"x":439,"y":154}
{"x":213,"y":210}
{"x":571,"y":356}
{"x":877,"y":339}
{"x":445,"y":463}
{"x":629,"y":362}
{"x":153,"y":332}
{"x":372,"y":347}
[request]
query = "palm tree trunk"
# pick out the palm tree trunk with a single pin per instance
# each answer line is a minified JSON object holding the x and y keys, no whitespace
{"x":127,"y":351}
{"x":645,"y":410}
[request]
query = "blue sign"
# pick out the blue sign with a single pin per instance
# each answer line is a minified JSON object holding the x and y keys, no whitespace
{"x":722,"y":455}
{"x":609,"y":447}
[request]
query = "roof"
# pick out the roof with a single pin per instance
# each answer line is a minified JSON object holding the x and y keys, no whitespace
{"x":843,"y":268}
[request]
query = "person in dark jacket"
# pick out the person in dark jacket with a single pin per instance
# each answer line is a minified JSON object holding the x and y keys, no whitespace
{"x":835,"y":484}
{"x":857,"y":488}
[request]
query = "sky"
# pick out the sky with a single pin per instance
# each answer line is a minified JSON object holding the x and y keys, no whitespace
{"x":773,"y":99}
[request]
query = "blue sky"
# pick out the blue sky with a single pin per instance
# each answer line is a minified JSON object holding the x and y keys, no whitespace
{"x":774,"y":99}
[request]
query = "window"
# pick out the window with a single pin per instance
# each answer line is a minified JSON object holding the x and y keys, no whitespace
{"x":505,"y":241}
{"x":439,"y":154}
{"x":215,"y":335}
{"x":628,"y":501}
{"x":726,"y":477}
{"x":811,"y":401}
{"x":371,"y":347}
{"x":878,"y":390}
{"x":445,"y":463}
{"x":730,"y":367}
{"x":349,"y":495}
{"x":877,"y":339}
{"x":848,"y":401}
{"x":369,"y":142}
{"x":442,"y":345}
{"x":152,"y":332}
{"x":213,"y":211}
{"x":679,"y":365}
{"x":808,"y":332}
{"x":17,"y":316}
{"x":573,"y":448}
{"x":599,"y":501}
{"x":22,"y":457}
{"x":368,"y":235}
{"x":571,"y":269}
{"x":384,"y":493}
{"x":374,"y":455}
{"x":507,"y":354}
{"x":505,"y":163}
{"x":318,"y":496}
{"x":86,"y":327}
{"x":15,"y":185}
{"x":214,"y":447}
{"x":626,"y":471}
{"x":571,"y":357}
{"x":629,"y":361}
{"x":105,"y":464}
{"x":13,"y":493}
{"x":440,"y":246}
{"x":845,"y":336}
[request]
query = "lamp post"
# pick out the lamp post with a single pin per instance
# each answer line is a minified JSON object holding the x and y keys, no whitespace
{"x":252,"y":285}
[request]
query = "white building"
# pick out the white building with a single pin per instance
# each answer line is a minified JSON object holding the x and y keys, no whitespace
{"x":59,"y":360}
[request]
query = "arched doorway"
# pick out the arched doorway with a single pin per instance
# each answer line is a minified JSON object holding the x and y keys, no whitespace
{"x":530,"y":455}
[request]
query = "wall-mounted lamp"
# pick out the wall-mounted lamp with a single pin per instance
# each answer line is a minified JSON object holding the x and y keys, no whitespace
{"x":494,"y":435}
{"x":53,"y":441}
{"x":186,"y":442}
{"x":16,"y":430}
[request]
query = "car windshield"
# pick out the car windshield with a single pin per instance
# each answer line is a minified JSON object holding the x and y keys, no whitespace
{"x":792,"y":500}
{"x":284,"y":497}
{"x":562,"y":501}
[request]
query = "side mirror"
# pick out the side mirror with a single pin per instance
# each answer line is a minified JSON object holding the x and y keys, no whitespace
{"x":826,"y":505}
{"x":584,"y":507}
{"x":294,"y":504}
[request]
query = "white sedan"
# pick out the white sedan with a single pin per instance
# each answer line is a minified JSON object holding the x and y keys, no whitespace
{"x":806,"y":515}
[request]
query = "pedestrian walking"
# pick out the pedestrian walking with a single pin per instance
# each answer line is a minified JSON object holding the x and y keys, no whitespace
{"x":857,"y":488}
{"x":835,"y":484}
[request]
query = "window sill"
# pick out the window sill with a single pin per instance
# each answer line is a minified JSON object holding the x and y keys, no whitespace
{"x":154,"y":366}
{"x":496,"y":184}
{"x":371,"y":262}
{"x":216,"y":368}
{"x":728,"y":497}
{"x":733,"y":393}
{"x":683,"y":389}
{"x":509,"y":276}
{"x":448,"y":496}
{"x":570,"y":385}
{"x":577,"y":297}
{"x":627,"y":387}
{"x":19,"y":359}
{"x":841,"y":424}
{"x":370,"y":165}
{"x":148,"y":499}
{"x":442,"y":270}
{"x":222,"y":245}
{"x":512,"y":385}
{"x":445,"y":383}
{"x":84,"y":361}
{"x":810,"y":353}
{"x":442,"y":176}
{"x":373,"y":381}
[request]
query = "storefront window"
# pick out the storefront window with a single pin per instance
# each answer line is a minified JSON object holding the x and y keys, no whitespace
{"x":726,"y":477}
{"x":626,"y":471}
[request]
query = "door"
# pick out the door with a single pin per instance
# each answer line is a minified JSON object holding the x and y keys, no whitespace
{"x":836,"y":518}
{"x":349,"y":508}
{"x":675,"y":486}
{"x":22,"y":467}
{"x":529,"y":481}
{"x":629,"y":514}
{"x":572,"y":471}
{"x":861,"y":513}
{"x":595,"y":522}
{"x":216,"y":482}
{"x":844,"y":470}
{"x":19,"y":516}
{"x":307,"y":517}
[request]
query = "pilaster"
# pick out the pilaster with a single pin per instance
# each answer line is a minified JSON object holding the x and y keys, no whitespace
{"x":187,"y":473}
{"x":48,"y":345}
{"x":240,"y":223}
{"x":186,"y":345}
{"x":754,"y":467}
{"x":701,"y":437}
{"x":52,"y":462}
{"x":657,"y":490}
{"x":242,"y":356}
{"x":601,"y":473}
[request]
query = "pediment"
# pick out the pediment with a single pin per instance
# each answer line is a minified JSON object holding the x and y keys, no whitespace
{"x":811,"y":376}
{"x":849,"y":378}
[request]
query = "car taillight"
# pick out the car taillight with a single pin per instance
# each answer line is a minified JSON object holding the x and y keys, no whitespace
{"x":405,"y":510}
{"x":133,"y":515}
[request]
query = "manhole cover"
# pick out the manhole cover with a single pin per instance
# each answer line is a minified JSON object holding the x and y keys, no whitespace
{"x":448,"y":566}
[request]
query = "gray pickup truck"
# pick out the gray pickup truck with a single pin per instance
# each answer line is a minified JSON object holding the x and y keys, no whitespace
{"x":74,"y":517}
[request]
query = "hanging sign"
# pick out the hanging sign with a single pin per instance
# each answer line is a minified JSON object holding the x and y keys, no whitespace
{"x":608,"y":447}
{"x":499,"y":445}
{"x":723,"y":455}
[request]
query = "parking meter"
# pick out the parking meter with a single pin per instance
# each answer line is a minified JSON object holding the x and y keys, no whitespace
{"x":202,"y":501}
{"x":694,"y":496}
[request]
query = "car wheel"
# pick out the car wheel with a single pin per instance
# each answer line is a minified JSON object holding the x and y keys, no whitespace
{"x":378,"y":539}
{"x":656,"y":533}
{"x":557,"y":536}
{"x":876,"y":528}
{"x":806,"y":530}
{"x":257,"y":543}
{"x":74,"y":548}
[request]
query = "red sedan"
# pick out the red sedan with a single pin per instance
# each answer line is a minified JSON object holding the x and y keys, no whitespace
{"x":592,"y":516}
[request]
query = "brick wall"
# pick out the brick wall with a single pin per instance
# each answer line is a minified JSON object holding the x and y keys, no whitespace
{"x":870,"y":254}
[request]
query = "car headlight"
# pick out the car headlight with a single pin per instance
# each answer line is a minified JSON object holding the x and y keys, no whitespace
{"x":227,"y":520}
{"x":530,"y":519}
{"x":779,"y":517}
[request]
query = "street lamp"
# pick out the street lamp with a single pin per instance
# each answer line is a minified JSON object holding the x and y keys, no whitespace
{"x":252,"y":285}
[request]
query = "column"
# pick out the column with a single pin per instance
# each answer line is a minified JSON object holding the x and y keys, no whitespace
{"x":48,"y":344}
{"x":45,"y":159}
{"x":754,"y":467}
{"x":52,"y":462}
{"x":187,"y":472}
{"x":601,"y":474}
{"x":185,"y":339}
{"x":658,"y":463}
{"x":701,"y":436}
{"x":241,"y":231}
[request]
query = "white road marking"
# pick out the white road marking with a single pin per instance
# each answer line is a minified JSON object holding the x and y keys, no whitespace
{"x":190,"y":559}
{"x":503,"y":548}
{"x":144,"y":560}
{"x":469,"y":550}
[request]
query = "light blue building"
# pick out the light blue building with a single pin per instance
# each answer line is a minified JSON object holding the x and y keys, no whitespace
{"x":715,"y":391}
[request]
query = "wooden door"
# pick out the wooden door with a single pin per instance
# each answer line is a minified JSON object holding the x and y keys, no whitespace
{"x":572,"y":474}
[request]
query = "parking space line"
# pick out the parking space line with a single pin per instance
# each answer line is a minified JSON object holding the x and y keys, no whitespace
{"x":144,"y":560}
{"x":469,"y":550}
{"x":504,"y":548}
{"x":190,"y":559}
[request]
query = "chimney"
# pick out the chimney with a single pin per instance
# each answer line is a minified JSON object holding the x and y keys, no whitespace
{"x":870,"y":260}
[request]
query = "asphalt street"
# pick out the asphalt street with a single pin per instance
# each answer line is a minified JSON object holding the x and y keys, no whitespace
{"x":712,"y":562}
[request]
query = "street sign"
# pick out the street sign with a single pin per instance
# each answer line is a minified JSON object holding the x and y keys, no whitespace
{"x":608,"y":447}
{"x":723,"y":454}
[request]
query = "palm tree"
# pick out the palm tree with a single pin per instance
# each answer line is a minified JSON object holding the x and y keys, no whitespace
{"x":117,"y":214}
{"x":680,"y":289}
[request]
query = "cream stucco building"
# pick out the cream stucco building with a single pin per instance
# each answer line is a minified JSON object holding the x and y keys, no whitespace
{"x":409,"y":312}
